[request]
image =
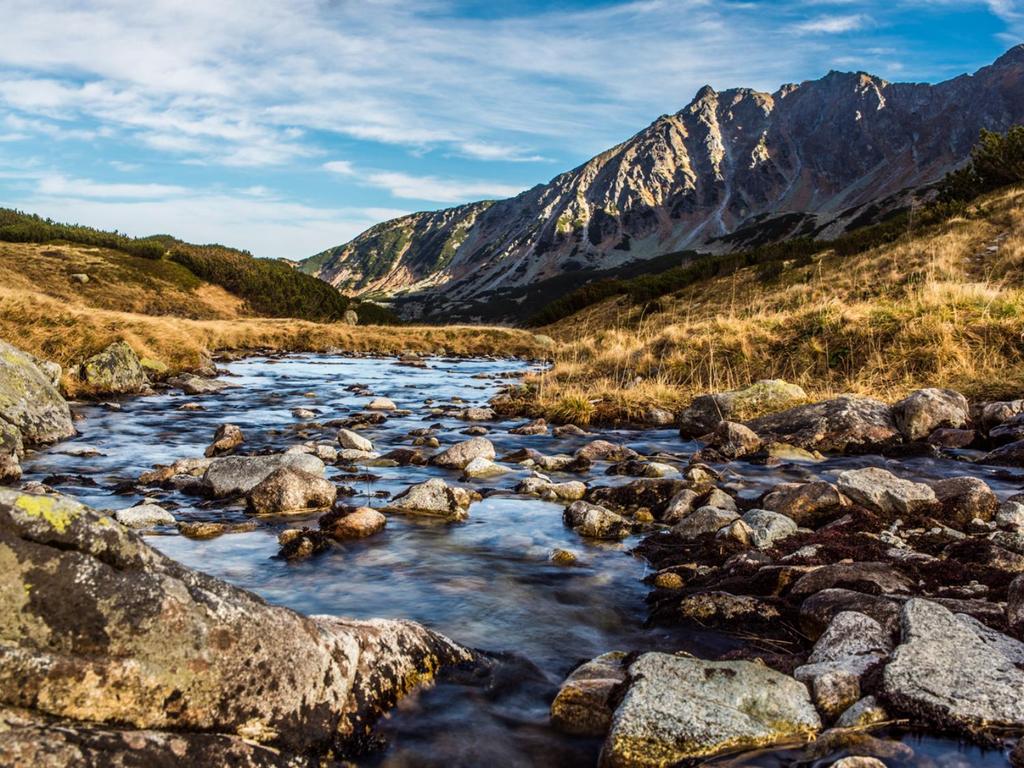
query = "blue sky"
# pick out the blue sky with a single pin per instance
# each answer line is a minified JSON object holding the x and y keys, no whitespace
{"x":287,"y":126}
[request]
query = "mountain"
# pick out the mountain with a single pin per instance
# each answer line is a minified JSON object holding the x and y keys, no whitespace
{"x":731,"y":168}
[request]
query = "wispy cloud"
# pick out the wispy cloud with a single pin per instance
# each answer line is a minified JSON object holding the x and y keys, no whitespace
{"x":429,"y":188}
{"x":833,"y":25}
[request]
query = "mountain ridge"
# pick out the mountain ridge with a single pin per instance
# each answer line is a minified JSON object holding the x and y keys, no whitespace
{"x":830,"y":150}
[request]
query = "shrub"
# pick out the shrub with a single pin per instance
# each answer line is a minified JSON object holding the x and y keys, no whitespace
{"x":997,"y":160}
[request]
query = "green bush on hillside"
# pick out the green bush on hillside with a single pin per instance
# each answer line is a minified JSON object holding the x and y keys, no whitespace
{"x":17,"y":227}
{"x":997,"y":160}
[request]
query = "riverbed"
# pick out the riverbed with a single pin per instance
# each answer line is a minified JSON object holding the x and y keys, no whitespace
{"x":487,"y":583}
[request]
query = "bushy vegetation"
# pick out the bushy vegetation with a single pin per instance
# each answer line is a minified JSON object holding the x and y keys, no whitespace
{"x":997,"y":160}
{"x":17,"y":227}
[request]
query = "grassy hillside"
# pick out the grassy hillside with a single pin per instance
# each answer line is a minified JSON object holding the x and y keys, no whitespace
{"x":942,"y":304}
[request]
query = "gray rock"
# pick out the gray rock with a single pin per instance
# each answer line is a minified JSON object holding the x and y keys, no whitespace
{"x":993,"y":414}
{"x":481,"y":467}
{"x":922,"y":412}
{"x":116,"y":371}
{"x":583,"y":705}
{"x":659,"y":417}
{"x":807,"y":504}
{"x":536,"y":486}
{"x":11,"y":448}
{"x":349,"y":439}
{"x":381,"y":404}
{"x":679,"y":709}
{"x":702,"y":521}
{"x":144,"y":516}
{"x":535,"y":427}
{"x":288,"y":490}
{"x":234,"y":475}
{"x":29,"y":402}
{"x":93,"y":639}
{"x":945,"y":674}
{"x":225,"y":440}
{"x":818,"y":610}
{"x":477,"y":414}
{"x":767,"y":528}
{"x":862,"y":714}
{"x":681,"y":505}
{"x":864,"y":576}
{"x":843,"y":424}
{"x":460,"y":454}
{"x":1015,"y":605}
{"x":965,"y":498}
{"x":1010,"y":455}
{"x":433,"y":498}
{"x":1010,"y":515}
{"x":1007,"y":646}
{"x":602,"y":450}
{"x":595,"y":522}
{"x":881,"y":491}
{"x":191,"y":384}
{"x":706,"y":411}
{"x":351,"y":317}
{"x":734,"y":441}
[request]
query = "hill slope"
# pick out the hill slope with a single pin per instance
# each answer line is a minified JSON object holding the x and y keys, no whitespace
{"x":836,"y":151}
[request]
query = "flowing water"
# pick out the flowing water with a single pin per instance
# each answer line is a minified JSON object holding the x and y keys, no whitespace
{"x":487,"y":583}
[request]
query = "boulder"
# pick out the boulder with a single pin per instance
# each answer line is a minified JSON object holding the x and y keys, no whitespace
{"x":288,"y":490}
{"x":846,"y":424}
{"x":717,"y":608}
{"x":356,"y":524}
{"x":862,"y":714}
{"x":211,"y":530}
{"x":734,"y":441}
{"x":381,"y":404}
{"x":767,"y":528}
{"x":945,"y":674}
{"x":352,"y":440}
{"x":952,"y":438}
{"x":650,"y":494}
{"x":535,"y":427}
{"x":460,"y":454}
{"x":477,"y":414}
{"x":225,"y":440}
{"x":881,"y":491}
{"x":1010,"y":431}
{"x":29,"y":402}
{"x":874,"y":578}
{"x":807,"y":504}
{"x":303,"y":413}
{"x":818,"y":610}
{"x":993,"y":414}
{"x":702,"y":521}
{"x":583,"y":706}
{"x":595,"y":522}
{"x":115,"y":371}
{"x":602,"y":450}
{"x":351,"y":317}
{"x":1015,"y":605}
{"x":1009,"y":455}
{"x":537,"y":486}
{"x":433,"y":498}
{"x":679,"y":709}
{"x":191,"y":384}
{"x":100,"y":626}
{"x":765,"y":396}
{"x":926,"y":410}
{"x":11,"y":448}
{"x":236,"y":475}
{"x":659,"y":417}
{"x":481,"y":468}
{"x":964,"y":499}
{"x":568,"y":430}
{"x":144,"y":516}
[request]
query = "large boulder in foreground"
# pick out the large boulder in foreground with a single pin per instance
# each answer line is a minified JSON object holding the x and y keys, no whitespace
{"x":949,"y":674}
{"x":680,"y":709}
{"x":29,"y":401}
{"x":706,"y":411}
{"x":235,"y":475}
{"x":115,"y":371}
{"x":846,"y":424}
{"x":98,"y":627}
{"x":922,"y":412}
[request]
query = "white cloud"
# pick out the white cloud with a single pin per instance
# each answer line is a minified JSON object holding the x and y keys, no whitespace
{"x":834,"y":24}
{"x":438,"y":190}
{"x":341,"y":167}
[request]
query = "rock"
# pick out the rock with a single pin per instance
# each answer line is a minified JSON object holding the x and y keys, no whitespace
{"x":1011,"y":648}
{"x":225,"y":440}
{"x":1015,"y":605}
{"x":846,"y":424}
{"x":11,"y":448}
{"x":303,"y":413}
{"x":481,"y":467}
{"x":207,"y":530}
{"x":946,"y":675}
{"x":1009,"y":455}
{"x":475,"y":431}
{"x":357,"y":524}
{"x":734,"y":441}
{"x":477,"y":414}
{"x":862,"y":714}
{"x":288,"y":490}
{"x":680,"y":709}
{"x":965,"y":498}
{"x":650,"y":494}
{"x":568,"y":430}
{"x":583,"y":704}
{"x":433,"y":498}
{"x":116,"y":371}
{"x":349,"y":439}
{"x":852,"y":646}
{"x":1010,"y":431}
{"x":595,"y":522}
{"x":29,"y":402}
{"x":807,"y":504}
{"x":767,"y":528}
{"x":460,"y":454}
{"x":669,"y":580}
{"x":563,"y":557}
{"x":1010,"y":515}
{"x":106,"y":635}
{"x":351,"y":317}
{"x":79,"y":277}
{"x":144,"y":516}
{"x":875,"y":578}
{"x":194,"y":385}
{"x":817,"y":611}
{"x":602,"y":450}
{"x":403,"y":457}
{"x":858,"y":761}
{"x":382,"y":404}
{"x":718,"y":608}
{"x":881,"y":491}
{"x":536,"y":486}
{"x":353,"y":455}
{"x":681,"y":505}
{"x":535,"y":427}
{"x":702,"y":521}
{"x":236,"y":475}
{"x":952,"y":438}
{"x":926,"y":410}
{"x":659,"y":417}
{"x":706,"y":411}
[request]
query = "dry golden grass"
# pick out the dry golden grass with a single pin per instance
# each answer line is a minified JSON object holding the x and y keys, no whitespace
{"x":942,"y":309}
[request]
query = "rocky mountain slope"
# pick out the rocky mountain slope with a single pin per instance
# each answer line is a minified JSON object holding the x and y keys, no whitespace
{"x":731,"y":167}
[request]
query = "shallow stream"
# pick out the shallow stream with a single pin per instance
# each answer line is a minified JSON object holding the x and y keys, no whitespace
{"x":487,"y":583}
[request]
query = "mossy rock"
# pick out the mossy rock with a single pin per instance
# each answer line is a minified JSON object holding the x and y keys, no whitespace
{"x":116,"y":370}
{"x":29,"y":402}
